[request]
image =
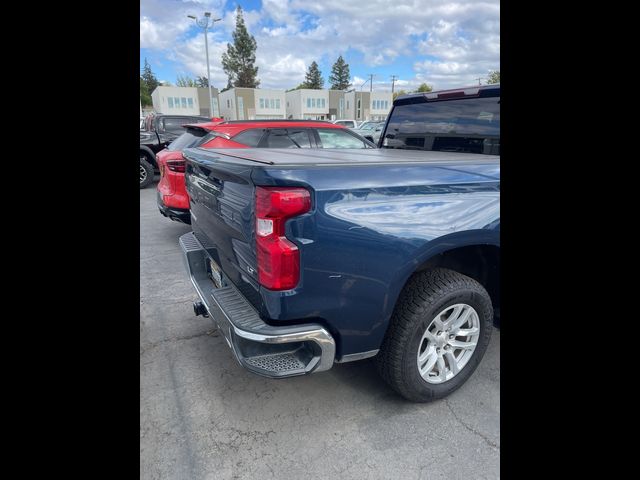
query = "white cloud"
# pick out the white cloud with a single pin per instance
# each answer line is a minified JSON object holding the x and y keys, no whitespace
{"x":449,"y":43}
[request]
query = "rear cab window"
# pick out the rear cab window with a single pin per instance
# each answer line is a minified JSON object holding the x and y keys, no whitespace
{"x":174,"y":124}
{"x":466,"y":125}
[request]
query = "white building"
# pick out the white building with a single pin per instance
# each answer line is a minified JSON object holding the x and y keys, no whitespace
{"x":184,"y":101}
{"x":362,"y":106}
{"x":252,"y":104}
{"x":308,"y":104}
{"x":176,"y":100}
{"x":380,"y":104}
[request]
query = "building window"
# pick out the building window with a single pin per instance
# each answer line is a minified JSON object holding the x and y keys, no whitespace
{"x":313,"y":103}
{"x":386,"y":104}
{"x":272,"y":103}
{"x":278,"y":103}
{"x":228,"y":103}
{"x":176,"y":102}
{"x":170,"y":102}
{"x":262,"y":103}
{"x":183,"y":102}
{"x":347,"y":104}
{"x":287,"y":104}
{"x":308,"y":103}
{"x":240,"y":103}
{"x":190,"y":102}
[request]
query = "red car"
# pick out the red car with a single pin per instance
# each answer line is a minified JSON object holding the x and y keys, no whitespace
{"x":173,"y":200}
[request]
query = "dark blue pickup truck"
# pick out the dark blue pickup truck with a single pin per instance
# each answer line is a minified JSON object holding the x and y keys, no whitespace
{"x":304,"y":258}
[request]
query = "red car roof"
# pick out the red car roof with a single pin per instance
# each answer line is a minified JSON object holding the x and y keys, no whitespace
{"x":235,"y":127}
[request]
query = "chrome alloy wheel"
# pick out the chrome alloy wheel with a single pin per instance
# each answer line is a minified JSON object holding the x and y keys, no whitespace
{"x":448,"y":343}
{"x":143,"y":173}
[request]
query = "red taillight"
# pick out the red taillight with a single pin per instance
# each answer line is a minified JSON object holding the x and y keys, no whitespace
{"x":278,"y":258}
{"x":176,"y":165}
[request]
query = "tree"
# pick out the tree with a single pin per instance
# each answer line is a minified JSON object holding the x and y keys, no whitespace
{"x":398,"y":93}
{"x":313,"y":77}
{"x":202,"y":82}
{"x":340,"y":75}
{"x":185,"y":81}
{"x":494,"y":77}
{"x":424,"y":88}
{"x":149,"y":78}
{"x":302,"y":85}
{"x":240,"y":57}
{"x":145,"y":98}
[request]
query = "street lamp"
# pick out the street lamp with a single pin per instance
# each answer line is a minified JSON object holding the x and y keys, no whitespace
{"x":205,"y":23}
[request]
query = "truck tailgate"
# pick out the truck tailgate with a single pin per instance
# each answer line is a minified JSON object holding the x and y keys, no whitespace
{"x":221,"y":196}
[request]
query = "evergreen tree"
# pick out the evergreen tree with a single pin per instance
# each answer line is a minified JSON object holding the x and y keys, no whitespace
{"x":340,"y":75}
{"x":149,"y":78}
{"x":240,"y":57}
{"x":145,"y":98}
{"x":202,"y":82}
{"x":313,"y":77}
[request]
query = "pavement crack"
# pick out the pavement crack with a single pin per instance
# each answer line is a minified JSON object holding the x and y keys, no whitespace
{"x":487,"y":440}
{"x":153,"y":345}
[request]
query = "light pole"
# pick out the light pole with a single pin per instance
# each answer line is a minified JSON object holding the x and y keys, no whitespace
{"x":365,"y":82}
{"x":204,"y":23}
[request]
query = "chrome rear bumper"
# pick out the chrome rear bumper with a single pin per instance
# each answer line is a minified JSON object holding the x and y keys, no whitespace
{"x":261,"y":348}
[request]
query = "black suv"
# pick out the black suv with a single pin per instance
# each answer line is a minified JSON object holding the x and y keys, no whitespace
{"x":158,"y":132}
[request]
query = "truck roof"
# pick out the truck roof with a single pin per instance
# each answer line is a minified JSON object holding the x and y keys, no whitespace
{"x":341,"y":156}
{"x":462,"y":92}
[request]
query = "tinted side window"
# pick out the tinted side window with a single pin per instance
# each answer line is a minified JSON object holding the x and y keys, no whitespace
{"x":338,"y":138}
{"x":464,"y":125}
{"x":292,"y":138}
{"x":250,"y":138}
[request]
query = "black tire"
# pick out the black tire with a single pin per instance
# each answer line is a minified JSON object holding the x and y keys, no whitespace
{"x":426,"y":295}
{"x":146,"y":171}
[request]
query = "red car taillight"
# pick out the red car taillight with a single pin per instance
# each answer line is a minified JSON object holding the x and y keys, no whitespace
{"x":278,"y":258}
{"x":176,"y":165}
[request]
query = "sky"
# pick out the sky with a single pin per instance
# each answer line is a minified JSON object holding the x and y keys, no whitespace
{"x":445,"y":44}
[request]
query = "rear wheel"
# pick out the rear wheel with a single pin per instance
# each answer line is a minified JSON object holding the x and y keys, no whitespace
{"x":438,"y":334}
{"x":146,"y":171}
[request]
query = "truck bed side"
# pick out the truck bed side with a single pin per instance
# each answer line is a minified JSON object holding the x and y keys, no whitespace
{"x":373,"y":222}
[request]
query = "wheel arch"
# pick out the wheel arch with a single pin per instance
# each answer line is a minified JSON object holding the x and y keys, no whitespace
{"x":474,"y":253}
{"x":151,"y":157}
